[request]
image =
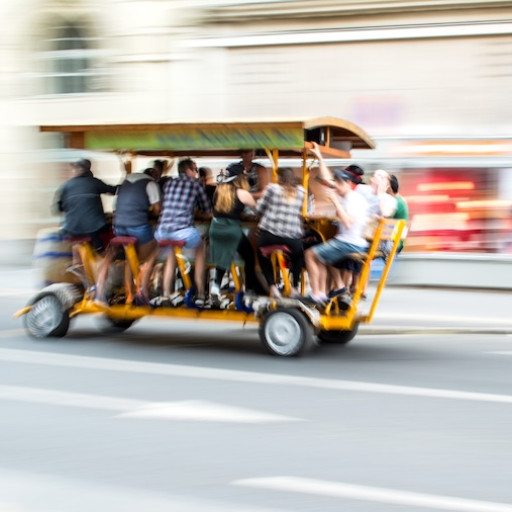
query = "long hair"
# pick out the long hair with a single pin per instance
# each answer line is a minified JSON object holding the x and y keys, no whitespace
{"x":225,"y":194}
{"x":287,"y":179}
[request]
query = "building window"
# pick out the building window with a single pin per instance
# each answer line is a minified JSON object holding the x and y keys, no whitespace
{"x":72,"y":61}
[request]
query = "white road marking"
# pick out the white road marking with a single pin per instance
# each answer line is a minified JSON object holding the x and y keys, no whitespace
{"x":491,"y":322}
{"x":67,"y":399}
{"x":192,"y":410}
{"x":501,"y":352}
{"x":374,"y":494}
{"x":25,"y":492}
{"x":197,"y":372}
{"x":200,"y":410}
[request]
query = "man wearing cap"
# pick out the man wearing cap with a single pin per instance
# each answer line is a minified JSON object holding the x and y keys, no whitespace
{"x":257,"y":175}
{"x":352,"y":213}
{"x":80,"y":200}
{"x":356,"y":172}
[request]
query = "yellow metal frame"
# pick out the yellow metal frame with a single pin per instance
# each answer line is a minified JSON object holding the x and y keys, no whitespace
{"x":281,"y":271}
{"x":382,"y":230}
{"x":88,"y":258}
{"x":182,"y":265}
{"x":131,"y":312}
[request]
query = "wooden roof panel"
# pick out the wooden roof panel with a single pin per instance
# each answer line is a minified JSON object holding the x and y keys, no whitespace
{"x":214,"y":138}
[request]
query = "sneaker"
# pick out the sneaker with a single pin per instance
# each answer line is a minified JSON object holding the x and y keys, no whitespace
{"x":312,"y":300}
{"x":249,"y":298}
{"x":335,"y":293}
{"x":199,"y":301}
{"x":225,"y":303}
{"x":160,"y":302}
{"x":344,"y":301}
{"x":215,"y":295}
{"x":176,"y":299}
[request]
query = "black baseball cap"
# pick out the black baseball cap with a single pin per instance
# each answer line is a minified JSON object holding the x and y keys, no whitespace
{"x":356,"y":173}
{"x":341,"y":174}
{"x":234,"y":169}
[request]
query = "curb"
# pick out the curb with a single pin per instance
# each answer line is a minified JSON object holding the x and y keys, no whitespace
{"x":432,"y":330}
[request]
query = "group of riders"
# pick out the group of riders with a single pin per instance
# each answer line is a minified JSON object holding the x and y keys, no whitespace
{"x":153,"y":208}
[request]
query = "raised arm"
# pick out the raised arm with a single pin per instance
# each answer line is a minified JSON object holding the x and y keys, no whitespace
{"x":323,"y":171}
{"x":341,"y":213}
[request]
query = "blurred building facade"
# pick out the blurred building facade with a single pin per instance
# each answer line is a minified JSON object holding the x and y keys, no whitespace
{"x":428,"y":79}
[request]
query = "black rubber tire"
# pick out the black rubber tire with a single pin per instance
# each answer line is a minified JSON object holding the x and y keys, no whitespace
{"x":286,"y":332}
{"x":339,"y":337}
{"x":48,"y":317}
{"x":109,"y":324}
{"x":56,"y":301}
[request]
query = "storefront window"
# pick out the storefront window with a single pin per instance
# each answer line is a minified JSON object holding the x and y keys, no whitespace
{"x":458,"y":210}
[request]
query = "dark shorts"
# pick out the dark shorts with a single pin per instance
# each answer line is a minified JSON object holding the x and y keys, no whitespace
{"x":143,"y":234}
{"x":99,"y":239}
{"x":349,"y":264}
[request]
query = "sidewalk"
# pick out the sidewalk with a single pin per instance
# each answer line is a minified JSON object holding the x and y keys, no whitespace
{"x":419,"y":309}
{"x":400,"y":310}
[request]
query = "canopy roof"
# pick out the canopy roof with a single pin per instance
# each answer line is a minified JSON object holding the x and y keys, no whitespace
{"x":224,"y":138}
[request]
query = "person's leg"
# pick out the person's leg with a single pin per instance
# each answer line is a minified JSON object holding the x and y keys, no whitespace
{"x":322,"y":281}
{"x":128,"y":283}
{"x":219,"y":276}
{"x":200,"y":269}
{"x":318,"y":258}
{"x":169,"y":273}
{"x":195,"y":242}
{"x":339,"y":257}
{"x":246,"y":251}
{"x":110,"y":254}
{"x":313,"y":268}
{"x":264,"y":239}
{"x":296,"y":258}
{"x":348,"y":278}
{"x":334,"y":280}
{"x":103,"y":273}
{"x":215,"y":287}
{"x":147,"y":256}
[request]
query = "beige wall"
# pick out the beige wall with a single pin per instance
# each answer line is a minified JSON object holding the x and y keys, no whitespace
{"x":165,"y":60}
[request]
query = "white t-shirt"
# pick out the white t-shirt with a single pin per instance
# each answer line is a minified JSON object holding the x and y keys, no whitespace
{"x":375,"y":201}
{"x":356,"y":207}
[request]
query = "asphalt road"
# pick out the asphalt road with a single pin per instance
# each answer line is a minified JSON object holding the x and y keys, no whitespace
{"x":414,"y":414}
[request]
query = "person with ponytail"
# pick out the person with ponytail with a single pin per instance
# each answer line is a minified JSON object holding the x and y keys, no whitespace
{"x":226,"y":236}
{"x":280,"y":210}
